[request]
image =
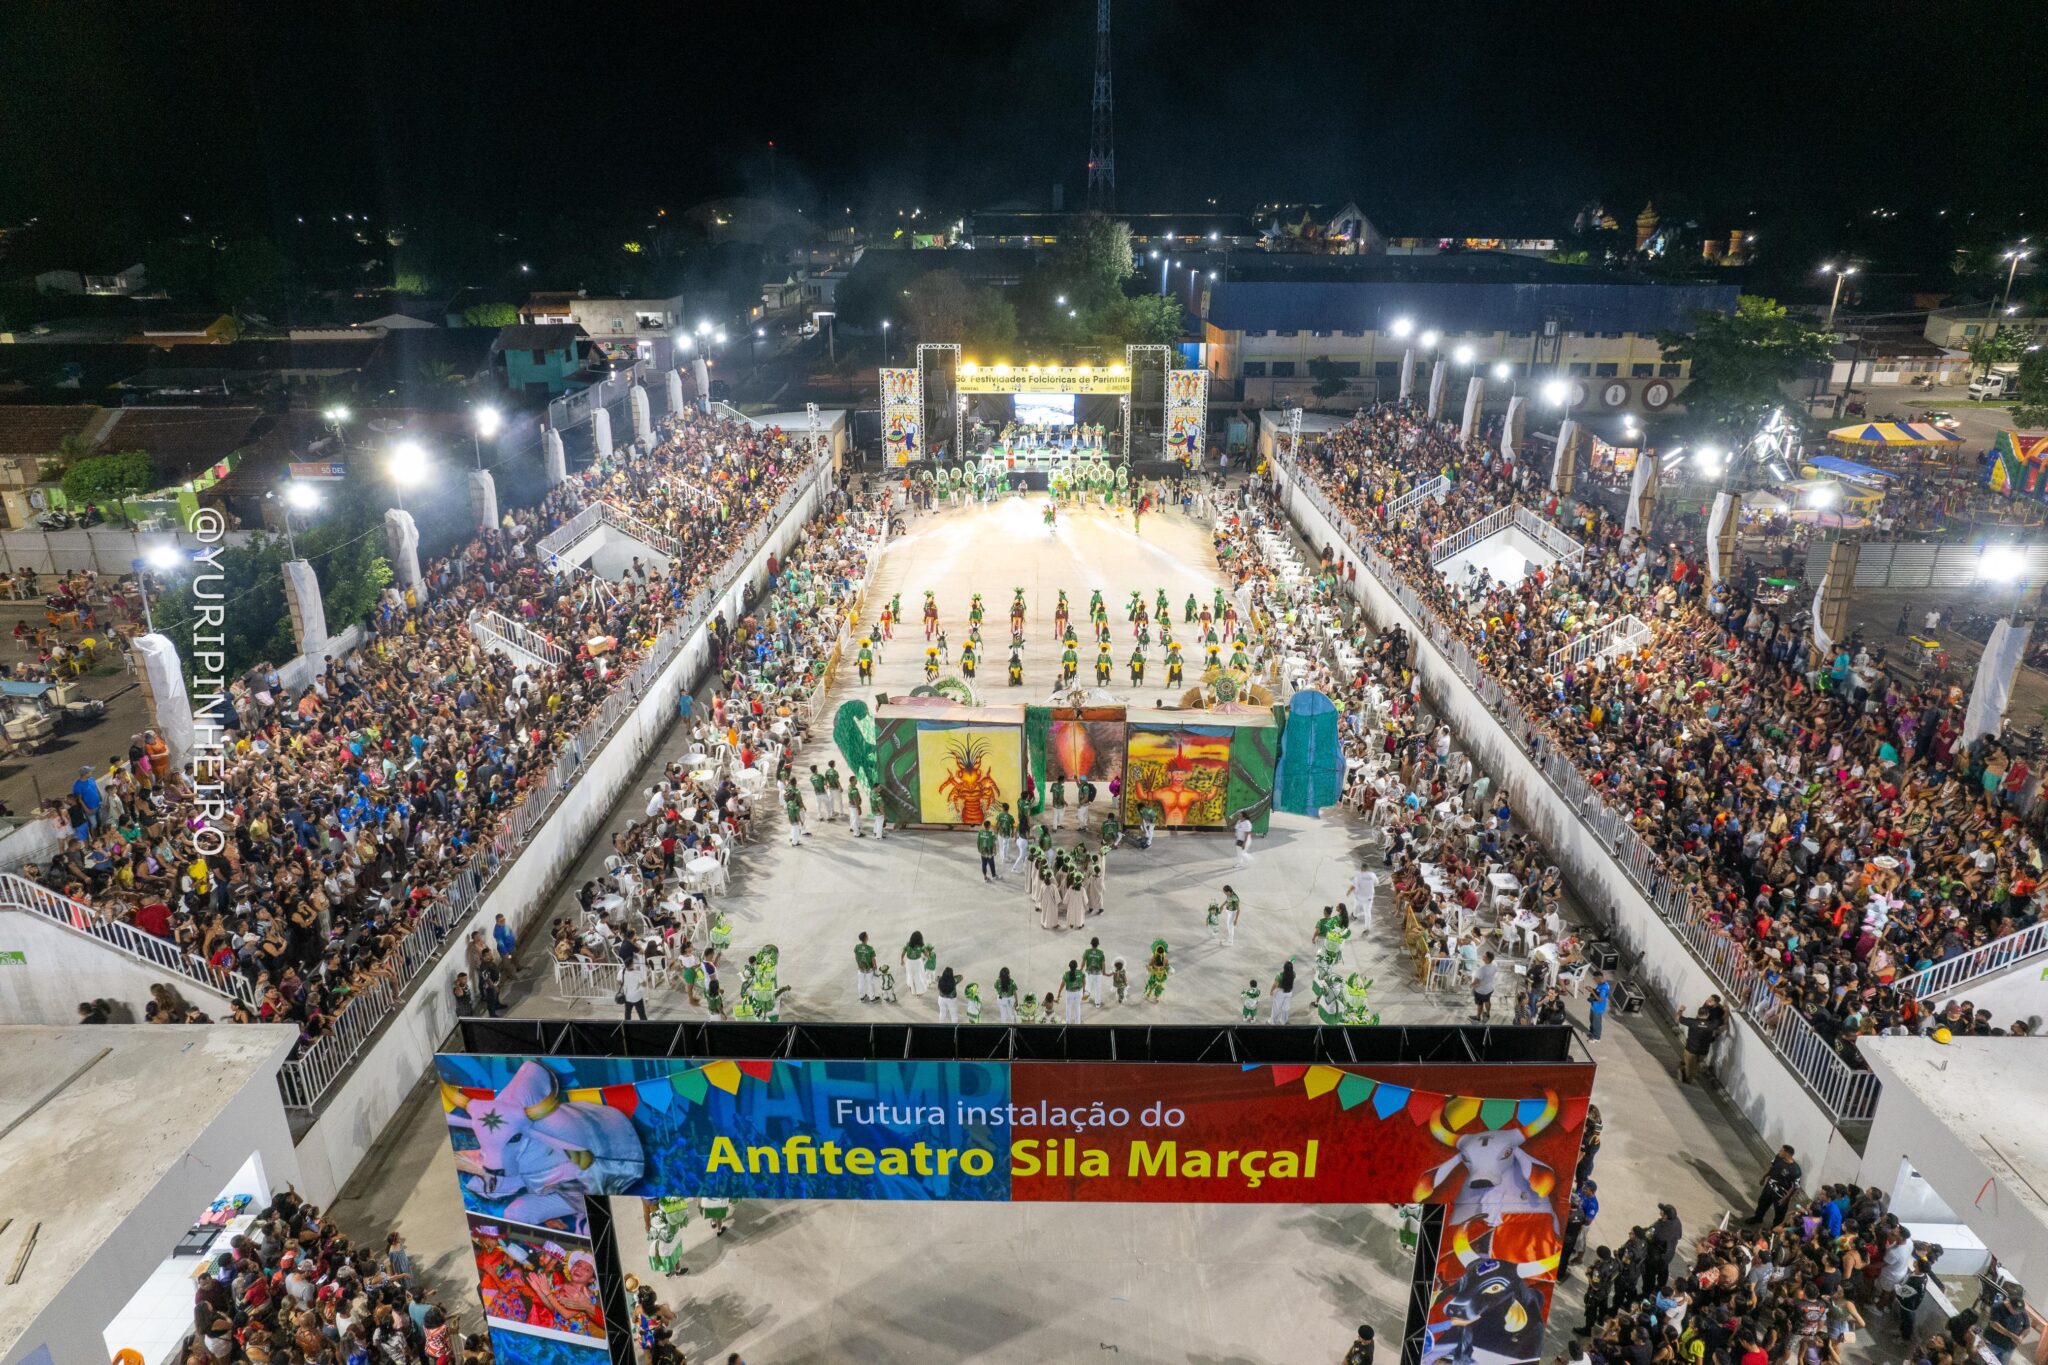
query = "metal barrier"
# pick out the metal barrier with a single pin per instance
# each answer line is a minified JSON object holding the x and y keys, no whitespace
{"x":1570,"y":552}
{"x":620,"y":519}
{"x":1849,"y":1094}
{"x":499,"y":630}
{"x":1623,"y":635}
{"x":569,"y":532}
{"x":1492,"y":524}
{"x":1414,"y":496}
{"x":19,"y":893}
{"x":1993,"y":957}
{"x":305,"y":1078}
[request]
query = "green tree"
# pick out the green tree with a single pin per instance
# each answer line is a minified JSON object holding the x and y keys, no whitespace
{"x":1329,"y":381}
{"x":250,"y":276}
{"x":1148,"y":319}
{"x":1741,"y":362}
{"x":412,"y":280}
{"x":2034,"y":375}
{"x":104,"y":480}
{"x":944,"y":307}
{"x":490,"y":315}
{"x":1092,"y":261}
{"x":2001,"y":347}
{"x":2030,"y":416}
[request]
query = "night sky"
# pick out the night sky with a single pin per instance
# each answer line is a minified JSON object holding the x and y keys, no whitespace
{"x":1428,"y":115}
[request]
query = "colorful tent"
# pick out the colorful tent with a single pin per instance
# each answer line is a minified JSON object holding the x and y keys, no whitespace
{"x":1894,"y":434}
{"x":2019,"y":465}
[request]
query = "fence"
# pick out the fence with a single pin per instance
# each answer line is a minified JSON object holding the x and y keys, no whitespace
{"x":620,"y":519}
{"x":1619,"y":636}
{"x":572,"y":408}
{"x":1964,"y":968}
{"x":496,"y":628}
{"x":568,"y":533}
{"x":1847,"y":1093}
{"x":598,"y":980}
{"x":1414,"y":497}
{"x":1949,"y":564}
{"x":19,"y":893}
{"x":1492,"y":524}
{"x":1570,"y":553}
{"x":306,"y":1077}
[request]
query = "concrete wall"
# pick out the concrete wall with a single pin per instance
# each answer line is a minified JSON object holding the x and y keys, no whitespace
{"x":100,"y":550}
{"x":2018,"y":992}
{"x":73,"y":1322}
{"x":365,"y":1100}
{"x":66,"y":966}
{"x":1777,"y":1106}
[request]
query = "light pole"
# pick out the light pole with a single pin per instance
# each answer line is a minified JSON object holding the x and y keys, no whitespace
{"x":486,"y":425}
{"x":1840,"y":273}
{"x":1559,"y":393}
{"x":885,"y":343}
{"x":759,"y":332}
{"x":302,"y":497}
{"x":335,"y":416}
{"x":162,"y":558}
{"x":1505,"y":372}
{"x":407,"y":465}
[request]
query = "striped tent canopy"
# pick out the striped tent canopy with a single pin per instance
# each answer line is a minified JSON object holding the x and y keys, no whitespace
{"x":1894,"y":434}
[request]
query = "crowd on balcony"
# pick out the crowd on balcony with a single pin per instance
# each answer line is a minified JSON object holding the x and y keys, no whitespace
{"x":357,"y":800}
{"x":1823,"y":817}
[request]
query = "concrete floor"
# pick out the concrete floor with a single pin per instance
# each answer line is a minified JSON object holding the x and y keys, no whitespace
{"x":27,"y":780}
{"x":843,"y":1281}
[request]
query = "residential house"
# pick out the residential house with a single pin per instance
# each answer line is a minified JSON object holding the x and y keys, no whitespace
{"x":105,"y":283}
{"x":1956,"y":328}
{"x":539,"y":359}
{"x":627,"y":329}
{"x":191,"y":329}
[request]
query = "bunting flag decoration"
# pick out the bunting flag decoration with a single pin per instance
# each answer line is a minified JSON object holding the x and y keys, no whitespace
{"x":1322,"y":1080}
{"x":624,"y":1098}
{"x":1353,"y":1091}
{"x":725,"y":1075}
{"x":1456,"y":1112}
{"x":690,"y":1086}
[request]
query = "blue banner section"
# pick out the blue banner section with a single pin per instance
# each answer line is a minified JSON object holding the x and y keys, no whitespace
{"x":533,"y":1136}
{"x":510,"y":1346}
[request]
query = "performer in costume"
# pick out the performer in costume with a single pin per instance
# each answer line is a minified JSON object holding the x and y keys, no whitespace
{"x":931,"y":616}
{"x":1062,"y":615}
{"x":967,"y":659}
{"x":665,"y":1226}
{"x":1173,"y":666}
{"x":931,"y":663}
{"x":717,"y":1212}
{"x":1016,"y":668}
{"x":866,"y":659}
{"x":1138,"y":667}
{"x":1157,"y":969}
{"x":1120,"y":980}
{"x":1070,"y":664}
{"x":1102,"y":663}
{"x":1190,"y":610}
{"x":1248,"y":1001}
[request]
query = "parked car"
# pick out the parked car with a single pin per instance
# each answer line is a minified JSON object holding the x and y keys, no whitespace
{"x":1945,"y":420}
{"x":1997,"y":384}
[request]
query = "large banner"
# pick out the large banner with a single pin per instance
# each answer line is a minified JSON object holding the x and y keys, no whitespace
{"x":902,"y":414}
{"x":1187,"y":414}
{"x":535,"y":1137}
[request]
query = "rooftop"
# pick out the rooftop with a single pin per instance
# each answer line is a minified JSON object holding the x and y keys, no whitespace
{"x":538,"y":336}
{"x":92,"y":1120}
{"x":35,"y":429}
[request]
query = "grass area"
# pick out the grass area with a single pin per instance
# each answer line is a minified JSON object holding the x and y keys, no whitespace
{"x":1961,"y":403}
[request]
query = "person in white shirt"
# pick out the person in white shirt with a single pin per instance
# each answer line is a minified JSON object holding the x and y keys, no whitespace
{"x":1365,"y":884}
{"x":633,"y":986}
{"x":1243,"y":830}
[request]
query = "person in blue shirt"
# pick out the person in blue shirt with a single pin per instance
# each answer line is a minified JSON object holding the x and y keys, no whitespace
{"x":501,"y":934}
{"x":1596,"y":1005}
{"x":88,"y":793}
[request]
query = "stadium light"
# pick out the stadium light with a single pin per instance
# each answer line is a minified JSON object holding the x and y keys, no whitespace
{"x":1463,"y":355}
{"x":1503,"y":370}
{"x":1403,"y":326}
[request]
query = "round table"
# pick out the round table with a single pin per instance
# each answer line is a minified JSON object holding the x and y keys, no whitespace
{"x":698,"y":867}
{"x":696,"y":760}
{"x":608,"y":904}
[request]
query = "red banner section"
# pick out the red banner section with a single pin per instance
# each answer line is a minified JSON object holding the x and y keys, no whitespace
{"x":1206,"y":1134}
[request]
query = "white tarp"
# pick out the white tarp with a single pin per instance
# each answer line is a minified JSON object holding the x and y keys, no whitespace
{"x":1724,"y":508}
{"x":1992,"y":692}
{"x":1567,"y":439}
{"x":309,"y":613}
{"x":1407,"y":372}
{"x":1822,"y":641}
{"x":483,"y":499}
{"x":166,"y":679}
{"x":675,"y":392}
{"x":1639,"y":487}
{"x":643,"y":415}
{"x":1475,"y":398}
{"x":556,"y":458}
{"x":1439,"y":375}
{"x":702,"y":371}
{"x":601,"y":431}
{"x":403,"y":533}
{"x":1511,"y":429}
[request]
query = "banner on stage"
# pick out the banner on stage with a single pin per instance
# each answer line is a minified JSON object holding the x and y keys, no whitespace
{"x":1043,"y":379}
{"x":902,"y":413}
{"x":1187,"y":414}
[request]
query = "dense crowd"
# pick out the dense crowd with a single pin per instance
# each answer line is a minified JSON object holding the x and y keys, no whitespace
{"x":358,"y":799}
{"x":1824,"y":817}
{"x":1805,"y":1280}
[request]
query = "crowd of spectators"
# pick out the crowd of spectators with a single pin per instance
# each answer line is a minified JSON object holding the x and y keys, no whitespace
{"x":356,"y":801}
{"x":1820,"y":814}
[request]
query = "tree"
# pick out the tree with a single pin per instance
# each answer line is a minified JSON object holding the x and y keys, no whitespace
{"x":2030,"y":416}
{"x":249,"y":276}
{"x":1329,"y":380}
{"x":1092,"y":261}
{"x":104,"y":480}
{"x":1741,"y":362}
{"x":411,"y":280}
{"x":1146,"y":320}
{"x":944,"y":307}
{"x":2034,"y":375}
{"x":490,"y":315}
{"x":2001,"y":347}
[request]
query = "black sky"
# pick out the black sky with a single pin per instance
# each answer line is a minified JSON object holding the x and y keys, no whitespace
{"x":242,"y":112}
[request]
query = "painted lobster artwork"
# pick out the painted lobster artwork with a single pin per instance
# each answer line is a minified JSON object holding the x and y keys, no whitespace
{"x":970,"y":789}
{"x":541,"y":1152}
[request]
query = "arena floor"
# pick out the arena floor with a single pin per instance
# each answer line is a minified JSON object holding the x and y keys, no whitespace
{"x":831,"y":1282}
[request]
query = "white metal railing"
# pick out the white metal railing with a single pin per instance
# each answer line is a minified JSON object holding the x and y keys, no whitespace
{"x":1492,"y":524}
{"x":19,"y":893}
{"x":306,"y":1077}
{"x":600,"y":980}
{"x":568,"y":533}
{"x":496,"y":628}
{"x":1414,"y":496}
{"x":1995,"y":956}
{"x":1569,"y":552}
{"x":618,"y":517}
{"x":1623,"y":635}
{"x":1848,"y":1093}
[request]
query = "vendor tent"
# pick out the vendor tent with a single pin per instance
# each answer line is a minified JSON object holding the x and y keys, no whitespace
{"x":1848,"y":469}
{"x":1894,"y":435}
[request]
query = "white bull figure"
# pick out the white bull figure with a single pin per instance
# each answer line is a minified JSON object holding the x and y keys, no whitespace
{"x":542,"y":1152}
{"x":1500,"y":1177}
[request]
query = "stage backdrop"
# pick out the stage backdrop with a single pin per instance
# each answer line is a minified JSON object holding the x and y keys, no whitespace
{"x":1187,"y":413}
{"x":1201,"y":773}
{"x":535,"y":1137}
{"x":902,"y":411}
{"x":946,"y":764}
{"x":1086,"y":742}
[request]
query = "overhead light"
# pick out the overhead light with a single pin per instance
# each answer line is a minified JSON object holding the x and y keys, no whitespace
{"x":301,"y":495}
{"x":164,"y":557}
{"x":1403,"y":326}
{"x":1502,"y":370}
{"x":407,"y":463}
{"x":488,"y":420}
{"x":1463,"y":355}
